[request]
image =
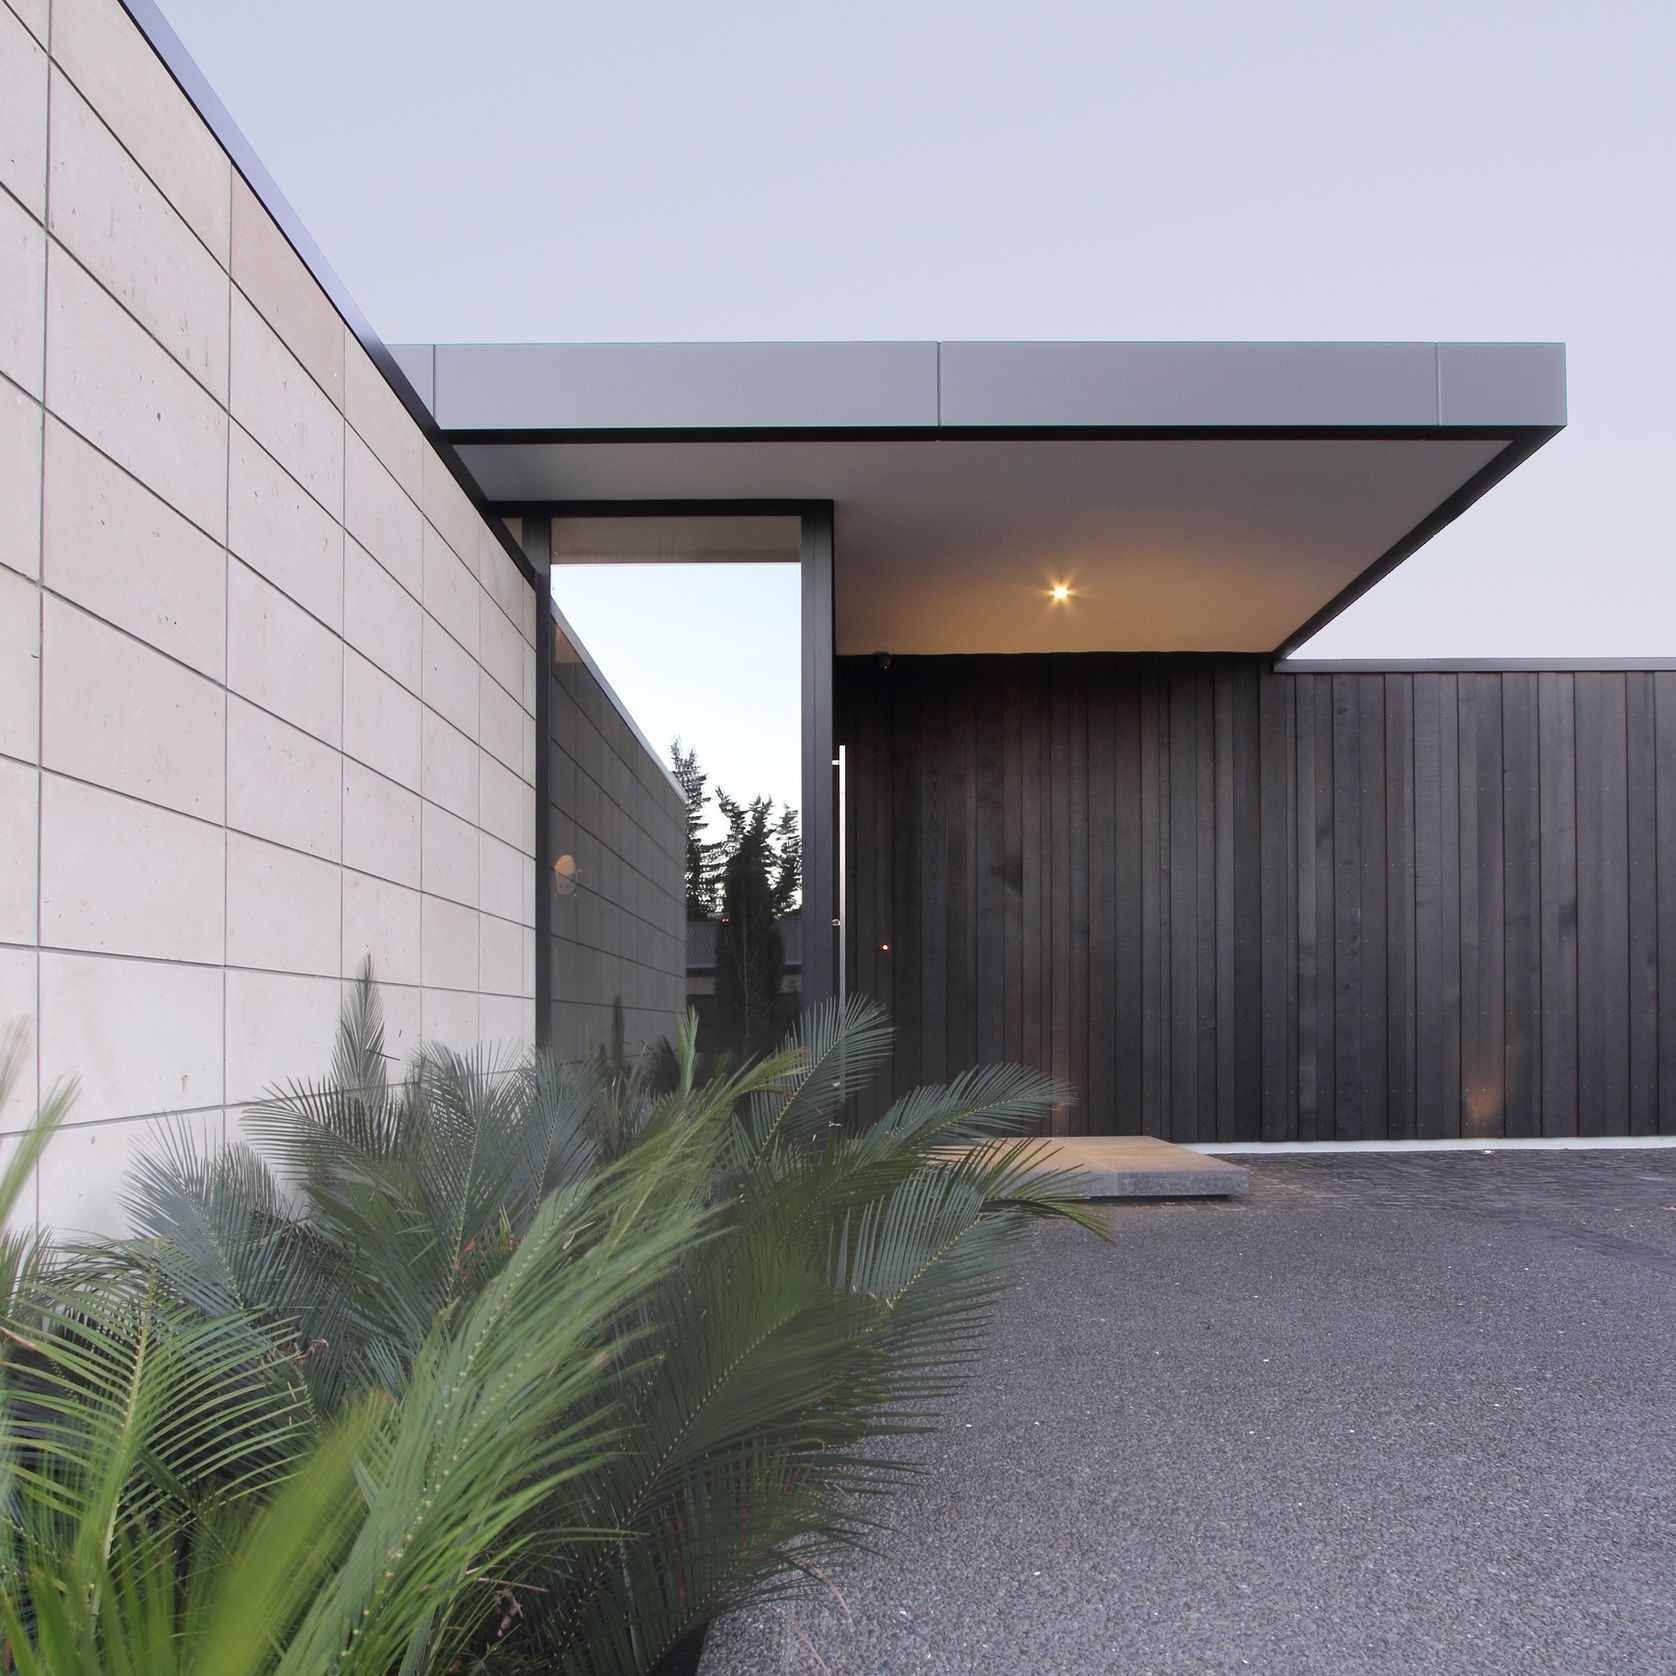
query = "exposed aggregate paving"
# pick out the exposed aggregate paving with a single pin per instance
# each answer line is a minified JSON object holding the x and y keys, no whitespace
{"x":1391,"y":1413}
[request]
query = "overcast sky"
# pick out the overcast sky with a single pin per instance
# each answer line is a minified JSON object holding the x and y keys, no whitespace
{"x":1430,"y":169}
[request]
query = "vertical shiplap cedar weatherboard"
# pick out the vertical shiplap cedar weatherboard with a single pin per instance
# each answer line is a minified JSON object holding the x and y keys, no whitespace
{"x":1204,"y":896}
{"x":1373,"y":883}
{"x":1324,"y":1019}
{"x":1244,"y":1114}
{"x":1429,"y":1071}
{"x":880,"y":767}
{"x":1061,"y":855}
{"x":1012,"y":863}
{"x":1522,"y":903}
{"x":1641,"y":831}
{"x":1446,"y":1120}
{"x":1181,"y":945}
{"x":1224,"y":1037}
{"x":915,"y":745}
{"x":1102,"y":1023}
{"x":1275,"y":870}
{"x":1664,"y":799}
{"x":1399,"y":906}
{"x":987,"y":891}
{"x":959,"y":836}
{"x":1153,"y":886}
{"x":1602,"y":904}
{"x":934,"y":768}
{"x":1492,"y":985}
{"x":1077,"y":826}
{"x":1232,"y":904}
{"x":1470,"y":1063}
{"x":1123,"y":971}
{"x":1034,"y":994}
{"x":1347,"y":780}
{"x":1307,"y":937}
{"x":1556,"y":722}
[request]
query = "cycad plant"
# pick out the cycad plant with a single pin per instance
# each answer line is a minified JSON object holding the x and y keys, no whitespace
{"x":500,"y":1367}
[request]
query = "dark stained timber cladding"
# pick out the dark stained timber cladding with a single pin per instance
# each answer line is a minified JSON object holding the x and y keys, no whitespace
{"x":1272,"y":868}
{"x":1602,"y":905}
{"x":1399,"y":906}
{"x":1556,"y":722}
{"x":1303,"y":927}
{"x":1244,"y":1113}
{"x":1099,"y":1091}
{"x":1323,"y":1020}
{"x":1522,"y":903}
{"x":1348,"y":780}
{"x":1664,"y":874}
{"x":1227,"y":904}
{"x":1641,"y":762}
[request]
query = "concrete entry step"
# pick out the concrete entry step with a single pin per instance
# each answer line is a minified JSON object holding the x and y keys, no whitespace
{"x":1143,"y":1167}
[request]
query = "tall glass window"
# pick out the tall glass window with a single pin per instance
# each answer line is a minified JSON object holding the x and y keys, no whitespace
{"x":695,"y":623}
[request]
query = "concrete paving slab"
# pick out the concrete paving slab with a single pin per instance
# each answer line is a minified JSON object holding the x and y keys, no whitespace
{"x":1144,"y":1167}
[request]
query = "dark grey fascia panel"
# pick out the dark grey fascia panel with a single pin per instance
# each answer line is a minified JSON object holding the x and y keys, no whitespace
{"x":1501,"y":384}
{"x":1005,"y":385}
{"x":694,"y":389}
{"x":686,"y":386}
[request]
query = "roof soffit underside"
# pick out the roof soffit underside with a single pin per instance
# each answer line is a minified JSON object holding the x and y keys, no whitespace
{"x":952,"y":545}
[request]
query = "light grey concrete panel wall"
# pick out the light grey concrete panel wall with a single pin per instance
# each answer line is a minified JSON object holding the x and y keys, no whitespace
{"x":267,"y":678}
{"x":1006,"y":384}
{"x":679,"y":386}
{"x":1501,"y":383}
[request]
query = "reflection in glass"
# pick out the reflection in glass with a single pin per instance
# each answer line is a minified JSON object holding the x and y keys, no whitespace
{"x":695,"y":623}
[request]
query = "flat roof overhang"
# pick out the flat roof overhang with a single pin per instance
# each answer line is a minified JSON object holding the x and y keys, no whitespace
{"x":1193,"y":496}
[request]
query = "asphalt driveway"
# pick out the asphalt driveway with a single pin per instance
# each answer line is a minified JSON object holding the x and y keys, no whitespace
{"x":1391,"y":1413}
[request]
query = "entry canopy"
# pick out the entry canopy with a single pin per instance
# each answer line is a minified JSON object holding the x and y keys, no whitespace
{"x":1189,"y":496}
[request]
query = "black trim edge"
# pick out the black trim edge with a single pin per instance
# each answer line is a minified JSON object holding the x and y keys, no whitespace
{"x":1518,"y":450}
{"x":721,"y":508}
{"x":469,"y":437}
{"x":163,"y":41}
{"x":1470,"y":666}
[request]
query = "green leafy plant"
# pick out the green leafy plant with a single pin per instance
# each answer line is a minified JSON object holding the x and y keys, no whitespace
{"x":500,"y":1366}
{"x":176,"y":1501}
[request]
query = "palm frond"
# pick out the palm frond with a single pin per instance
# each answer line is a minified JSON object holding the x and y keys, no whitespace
{"x":980,"y":1103}
{"x":832,"y":1052}
{"x":359,"y":1063}
{"x":516,"y":1365}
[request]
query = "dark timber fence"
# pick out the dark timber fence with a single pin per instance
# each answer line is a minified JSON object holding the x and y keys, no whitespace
{"x":1229,"y":904}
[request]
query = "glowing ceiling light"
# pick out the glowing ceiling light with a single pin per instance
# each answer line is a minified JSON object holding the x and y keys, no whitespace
{"x":1060,"y":592}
